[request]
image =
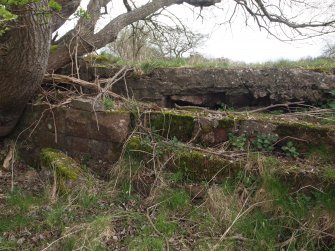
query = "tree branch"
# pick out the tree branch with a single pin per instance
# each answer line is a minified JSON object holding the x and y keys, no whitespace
{"x":68,"y":8}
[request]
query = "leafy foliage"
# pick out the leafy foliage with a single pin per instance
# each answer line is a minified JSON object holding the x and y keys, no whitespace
{"x":54,"y":5}
{"x":290,"y":150}
{"x":83,"y":13}
{"x":265,"y":142}
{"x":237,"y":142}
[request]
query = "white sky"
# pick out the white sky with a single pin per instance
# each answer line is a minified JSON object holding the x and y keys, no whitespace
{"x":237,"y":41}
{"x":244,"y":43}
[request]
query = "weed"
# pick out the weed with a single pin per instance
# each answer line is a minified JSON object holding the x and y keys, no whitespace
{"x":22,"y":202}
{"x":69,"y":243}
{"x":56,"y":216}
{"x":82,"y":14}
{"x":9,"y":223}
{"x":237,"y":142}
{"x":320,"y":153}
{"x":108,"y":103}
{"x":326,"y":199}
{"x":175,"y":200}
{"x":146,"y":243}
{"x":246,"y":179}
{"x":270,"y":162}
{"x":86,"y":158}
{"x":176,"y":177}
{"x":328,"y":174}
{"x":277,"y":112}
{"x":265,"y":142}
{"x":290,"y":150}
{"x":87,"y":199}
{"x":226,"y":108}
{"x":331,"y":103}
{"x":164,"y":226}
{"x":260,"y":229}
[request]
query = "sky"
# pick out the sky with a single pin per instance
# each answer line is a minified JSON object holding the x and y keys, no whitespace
{"x":239,"y":42}
{"x":252,"y":46}
{"x":236,"y":41}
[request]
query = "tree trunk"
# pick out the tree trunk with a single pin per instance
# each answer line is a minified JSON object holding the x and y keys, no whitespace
{"x":24,"y":52}
{"x":82,"y":40}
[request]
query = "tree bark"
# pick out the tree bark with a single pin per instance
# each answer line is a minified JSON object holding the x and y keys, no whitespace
{"x":24,"y":52}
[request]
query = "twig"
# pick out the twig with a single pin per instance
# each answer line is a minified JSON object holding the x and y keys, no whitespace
{"x":273,"y":106}
{"x":63,"y":79}
{"x":63,"y":237}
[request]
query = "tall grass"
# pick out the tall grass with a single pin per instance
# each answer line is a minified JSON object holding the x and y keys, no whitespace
{"x":319,"y":63}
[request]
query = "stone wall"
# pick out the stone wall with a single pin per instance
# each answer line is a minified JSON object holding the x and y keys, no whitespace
{"x":79,"y":132}
{"x":214,"y":87}
{"x":101,"y":135}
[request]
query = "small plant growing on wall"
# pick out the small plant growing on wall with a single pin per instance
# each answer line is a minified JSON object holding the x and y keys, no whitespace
{"x":290,"y":150}
{"x":238,"y":142}
{"x":108,"y":103}
{"x":265,"y":142}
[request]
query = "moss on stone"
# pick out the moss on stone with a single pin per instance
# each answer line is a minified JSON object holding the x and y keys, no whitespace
{"x":316,"y":136}
{"x":228,"y":122}
{"x":199,"y":166}
{"x":297,"y":128}
{"x":172,"y":125}
{"x":64,"y":166}
{"x":134,"y":143}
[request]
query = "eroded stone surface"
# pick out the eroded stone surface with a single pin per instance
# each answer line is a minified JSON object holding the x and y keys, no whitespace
{"x":75,"y":131}
{"x":214,"y":87}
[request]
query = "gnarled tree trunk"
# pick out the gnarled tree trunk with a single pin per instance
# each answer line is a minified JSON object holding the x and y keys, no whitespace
{"x":24,"y":52}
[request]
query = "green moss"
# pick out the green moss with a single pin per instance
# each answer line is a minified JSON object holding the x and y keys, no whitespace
{"x":309,"y":132}
{"x":53,"y":48}
{"x":296,"y":129}
{"x":199,"y":166}
{"x":228,"y":122}
{"x":134,"y":143}
{"x":189,"y":164}
{"x":64,"y":165}
{"x":172,"y":125}
{"x":137,"y":143}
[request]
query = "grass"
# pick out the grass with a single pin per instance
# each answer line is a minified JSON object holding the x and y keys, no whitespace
{"x":256,"y":208}
{"x":322,"y":64}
